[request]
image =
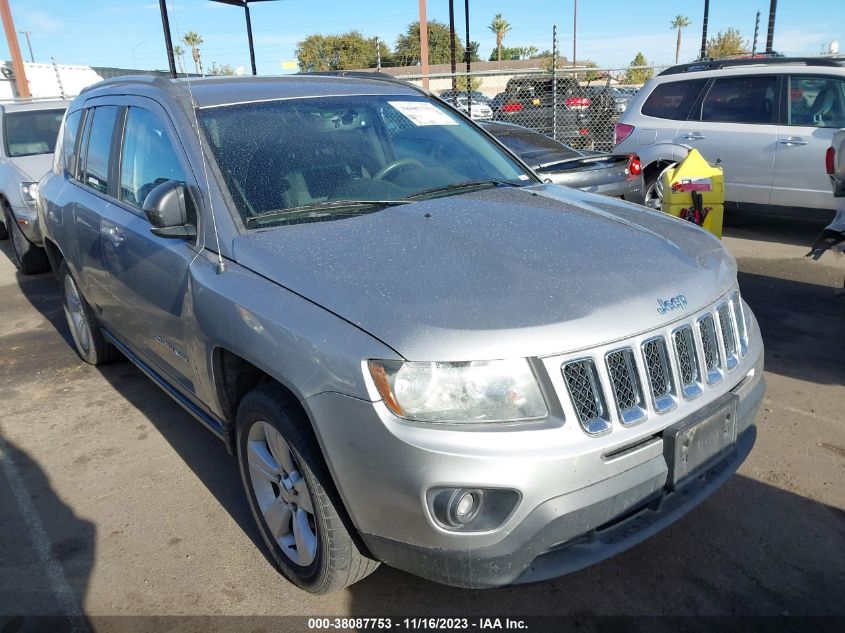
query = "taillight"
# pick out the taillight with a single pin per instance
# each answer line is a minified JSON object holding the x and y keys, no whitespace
{"x":621,"y":131}
{"x":829,"y":159}
{"x":512,"y":107}
{"x":577,"y":102}
{"x":635,"y":168}
{"x":583,"y":131}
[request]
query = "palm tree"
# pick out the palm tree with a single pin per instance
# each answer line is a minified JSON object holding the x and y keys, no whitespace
{"x":500,"y":27}
{"x":179,"y":54}
{"x":680,"y":22}
{"x":194,"y":40}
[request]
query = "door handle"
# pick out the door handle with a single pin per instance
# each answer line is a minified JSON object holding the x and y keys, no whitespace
{"x":693,"y":136}
{"x":112,"y":234}
{"x":792,"y":141}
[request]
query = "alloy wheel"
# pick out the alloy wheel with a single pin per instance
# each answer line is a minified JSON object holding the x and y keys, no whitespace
{"x":282,"y":493}
{"x":76,"y":315}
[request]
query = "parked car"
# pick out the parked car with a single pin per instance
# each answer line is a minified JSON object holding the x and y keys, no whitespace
{"x":767,"y":122}
{"x":28,"y":130}
{"x":618,"y":176}
{"x":475,"y":109}
{"x":530,"y":102}
{"x":418,"y":352}
{"x":451,"y":95}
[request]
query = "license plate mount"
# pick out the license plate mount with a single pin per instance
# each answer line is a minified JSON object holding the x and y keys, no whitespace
{"x":691,"y":445}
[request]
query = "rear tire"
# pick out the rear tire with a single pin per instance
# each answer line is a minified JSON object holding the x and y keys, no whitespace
{"x":653,"y":188}
{"x":88,"y":339}
{"x":29,"y":258}
{"x":287,"y":485}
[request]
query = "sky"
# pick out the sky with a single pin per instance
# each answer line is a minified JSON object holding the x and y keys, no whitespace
{"x":128,"y":33}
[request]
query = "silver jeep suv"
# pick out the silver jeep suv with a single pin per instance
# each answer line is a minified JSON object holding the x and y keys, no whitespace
{"x":419,"y":353}
{"x":767,"y":122}
{"x":28,"y":131}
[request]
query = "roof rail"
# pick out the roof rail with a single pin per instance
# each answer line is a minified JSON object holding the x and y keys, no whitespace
{"x":33,"y":99}
{"x":715,"y":64}
{"x":364,"y":74}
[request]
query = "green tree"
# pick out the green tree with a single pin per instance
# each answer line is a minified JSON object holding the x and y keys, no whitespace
{"x":407,"y":50}
{"x":517,"y":52}
{"x":340,"y":52}
{"x":179,"y":54}
{"x":727,"y":44}
{"x":465,"y":83}
{"x":591,"y":75}
{"x":224,"y":70}
{"x":194,"y":40}
{"x":680,"y":23}
{"x":636,"y":75}
{"x":500,"y":27}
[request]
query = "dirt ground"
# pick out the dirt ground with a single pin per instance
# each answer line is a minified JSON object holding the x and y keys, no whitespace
{"x":113,"y":501}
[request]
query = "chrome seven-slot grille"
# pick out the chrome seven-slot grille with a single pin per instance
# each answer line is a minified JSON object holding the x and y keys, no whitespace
{"x":702,"y":352}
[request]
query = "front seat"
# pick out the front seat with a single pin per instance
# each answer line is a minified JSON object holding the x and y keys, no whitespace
{"x":822,"y":105}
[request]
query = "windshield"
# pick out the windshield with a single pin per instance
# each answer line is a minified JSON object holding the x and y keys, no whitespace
{"x":300,"y":153}
{"x":31,"y":132}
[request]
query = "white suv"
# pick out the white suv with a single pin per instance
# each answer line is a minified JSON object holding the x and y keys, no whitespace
{"x":767,"y":122}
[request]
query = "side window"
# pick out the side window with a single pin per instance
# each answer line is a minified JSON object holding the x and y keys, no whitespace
{"x":744,"y":99}
{"x":96,"y":172}
{"x":816,"y":101}
{"x":673,"y":100}
{"x":71,"y":134}
{"x":149,"y":158}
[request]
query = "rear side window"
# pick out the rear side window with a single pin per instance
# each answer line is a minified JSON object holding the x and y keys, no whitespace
{"x":149,"y":158}
{"x":71,"y":133}
{"x":748,"y":99}
{"x":673,"y":100}
{"x":96,"y":173}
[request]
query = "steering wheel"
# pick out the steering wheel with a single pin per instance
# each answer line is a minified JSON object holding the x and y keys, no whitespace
{"x":396,"y":164}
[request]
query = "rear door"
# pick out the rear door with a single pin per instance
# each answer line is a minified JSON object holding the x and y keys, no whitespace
{"x":815,"y":109}
{"x":149,"y":275}
{"x":735,"y":126}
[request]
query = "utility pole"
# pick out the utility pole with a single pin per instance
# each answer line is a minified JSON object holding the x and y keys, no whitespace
{"x":703,"y":53}
{"x":26,"y":34}
{"x":756,"y":32}
{"x":168,"y":43}
{"x":452,"y":50}
{"x":467,"y":56}
{"x":554,"y":81}
{"x":424,"y":45}
{"x":14,"y":49}
{"x":574,"y":31}
{"x":770,"y":36}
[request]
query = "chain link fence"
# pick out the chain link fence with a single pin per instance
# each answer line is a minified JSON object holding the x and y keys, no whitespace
{"x":576,"y":106}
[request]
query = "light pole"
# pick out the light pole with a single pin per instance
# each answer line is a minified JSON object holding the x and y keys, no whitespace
{"x":134,"y":48}
{"x":574,"y":30}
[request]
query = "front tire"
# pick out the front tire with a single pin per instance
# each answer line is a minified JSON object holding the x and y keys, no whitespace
{"x":29,"y":258}
{"x":287,"y":484}
{"x":88,"y":339}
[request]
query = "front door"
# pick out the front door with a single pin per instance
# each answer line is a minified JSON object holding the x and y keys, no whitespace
{"x":815,"y":111}
{"x":149,"y":276}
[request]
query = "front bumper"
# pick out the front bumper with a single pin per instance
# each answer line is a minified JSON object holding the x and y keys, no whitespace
{"x":27,"y":220}
{"x":575,"y":510}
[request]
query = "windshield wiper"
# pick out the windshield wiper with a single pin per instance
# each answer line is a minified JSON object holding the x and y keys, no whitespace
{"x":316,"y":208}
{"x":461,"y":186}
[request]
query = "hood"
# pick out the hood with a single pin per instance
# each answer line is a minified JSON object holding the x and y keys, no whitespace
{"x":33,"y":167}
{"x":499,"y":273}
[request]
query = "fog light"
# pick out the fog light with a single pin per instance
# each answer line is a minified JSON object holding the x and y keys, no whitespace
{"x":471,"y":509}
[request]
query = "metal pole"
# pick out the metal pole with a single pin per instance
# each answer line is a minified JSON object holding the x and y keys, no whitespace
{"x":574,"y":30}
{"x":58,"y":77}
{"x":554,"y":81}
{"x":452,"y":50}
{"x":28,"y":45}
{"x":14,"y":49}
{"x":168,"y":43}
{"x":424,"y":45}
{"x":703,"y":53}
{"x":468,"y":54}
{"x":249,"y":38}
{"x":770,"y":36}
{"x":756,"y":32}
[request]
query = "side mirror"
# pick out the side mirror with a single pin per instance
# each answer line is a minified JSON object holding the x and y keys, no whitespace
{"x":170,"y":208}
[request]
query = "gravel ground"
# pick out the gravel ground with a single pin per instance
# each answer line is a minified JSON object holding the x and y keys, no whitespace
{"x":115,"y":502}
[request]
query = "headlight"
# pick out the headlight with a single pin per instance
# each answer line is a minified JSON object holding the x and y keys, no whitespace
{"x":28,"y":192}
{"x":468,"y":392}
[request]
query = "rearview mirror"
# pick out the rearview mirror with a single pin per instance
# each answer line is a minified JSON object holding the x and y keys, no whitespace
{"x":171,"y":210}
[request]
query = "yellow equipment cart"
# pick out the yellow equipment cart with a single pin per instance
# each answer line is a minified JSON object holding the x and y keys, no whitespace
{"x":695,"y":191}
